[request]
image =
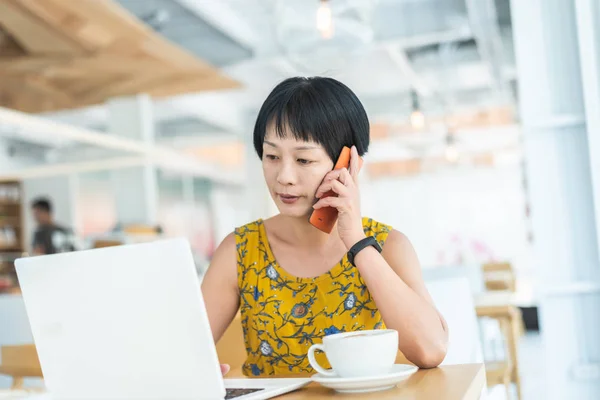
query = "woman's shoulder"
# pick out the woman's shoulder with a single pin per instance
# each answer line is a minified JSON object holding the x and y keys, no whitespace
{"x":249,"y":227}
{"x":248,"y":238}
{"x":395,"y":240}
{"x":241,"y":234}
{"x":378,"y":229}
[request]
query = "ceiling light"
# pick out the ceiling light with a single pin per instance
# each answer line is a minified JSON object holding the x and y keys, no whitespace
{"x":318,"y":37}
{"x":324,"y":20}
{"x":451,"y":152}
{"x":417,"y":118}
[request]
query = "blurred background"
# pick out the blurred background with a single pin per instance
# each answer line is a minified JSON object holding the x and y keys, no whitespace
{"x":134,"y":118}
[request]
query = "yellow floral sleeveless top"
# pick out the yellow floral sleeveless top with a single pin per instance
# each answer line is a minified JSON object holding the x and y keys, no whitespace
{"x":283,"y":315}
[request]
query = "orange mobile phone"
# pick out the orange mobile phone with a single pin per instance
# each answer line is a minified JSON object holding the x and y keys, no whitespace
{"x":326,"y":217}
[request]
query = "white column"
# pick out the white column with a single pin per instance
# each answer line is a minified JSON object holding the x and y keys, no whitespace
{"x":188,"y":192}
{"x":560,"y":190}
{"x":135,"y":188}
{"x":227,"y":210}
{"x":588,"y":24}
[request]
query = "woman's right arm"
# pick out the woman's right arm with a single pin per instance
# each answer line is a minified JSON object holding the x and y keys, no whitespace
{"x":220,"y":288}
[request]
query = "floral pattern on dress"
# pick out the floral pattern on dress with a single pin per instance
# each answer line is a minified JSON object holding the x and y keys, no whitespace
{"x":283,"y":315}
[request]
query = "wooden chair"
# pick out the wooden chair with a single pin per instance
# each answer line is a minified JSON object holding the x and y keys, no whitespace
{"x":504,"y":372}
{"x":141,"y":229}
{"x":101,"y":243}
{"x":20,"y":362}
{"x":499,"y":276}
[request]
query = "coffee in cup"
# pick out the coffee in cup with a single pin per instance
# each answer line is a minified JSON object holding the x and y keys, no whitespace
{"x":357,"y":354}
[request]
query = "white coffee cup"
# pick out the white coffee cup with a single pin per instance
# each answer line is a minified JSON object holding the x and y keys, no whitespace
{"x":357,"y":354}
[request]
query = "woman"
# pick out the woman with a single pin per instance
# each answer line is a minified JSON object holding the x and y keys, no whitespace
{"x":293,"y":283}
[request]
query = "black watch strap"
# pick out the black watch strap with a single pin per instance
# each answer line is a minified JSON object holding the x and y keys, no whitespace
{"x":360,"y":245}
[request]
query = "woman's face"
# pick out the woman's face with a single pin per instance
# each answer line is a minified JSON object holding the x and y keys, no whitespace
{"x":293,"y":171}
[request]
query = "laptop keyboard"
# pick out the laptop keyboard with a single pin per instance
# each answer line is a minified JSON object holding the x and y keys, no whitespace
{"x":233,"y":393}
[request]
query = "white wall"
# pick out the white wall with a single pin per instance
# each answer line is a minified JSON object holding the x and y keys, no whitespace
{"x":457,"y":217}
{"x":485,"y":205}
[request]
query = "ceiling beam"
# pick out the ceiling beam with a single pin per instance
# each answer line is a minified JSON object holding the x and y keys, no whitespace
{"x":422,"y":40}
{"x":282,"y":63}
{"x":483,"y":19}
{"x":184,"y":166}
{"x":67,"y":168}
{"x":458,"y":34}
{"x":399,"y":57}
{"x":207,"y":139}
{"x":214,"y":108}
{"x":227,"y":20}
{"x":217,"y":109}
{"x":35,"y":129}
{"x":88,"y":116}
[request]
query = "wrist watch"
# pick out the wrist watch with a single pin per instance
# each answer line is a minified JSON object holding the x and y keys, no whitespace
{"x":362,"y":244}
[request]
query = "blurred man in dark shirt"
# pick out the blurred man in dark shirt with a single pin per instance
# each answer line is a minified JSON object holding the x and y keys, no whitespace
{"x":49,"y":238}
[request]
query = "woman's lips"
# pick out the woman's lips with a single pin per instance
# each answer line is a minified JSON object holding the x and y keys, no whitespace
{"x":288,"y":199}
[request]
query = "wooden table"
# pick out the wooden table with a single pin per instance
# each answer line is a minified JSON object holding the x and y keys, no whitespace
{"x":20,"y":362}
{"x":453,"y":382}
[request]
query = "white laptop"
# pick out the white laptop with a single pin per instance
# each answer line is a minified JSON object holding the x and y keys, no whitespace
{"x":128,"y":322}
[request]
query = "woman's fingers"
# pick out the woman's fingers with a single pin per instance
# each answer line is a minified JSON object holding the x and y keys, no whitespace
{"x":335,"y":202}
{"x":333,"y":185}
{"x":341,"y":175}
{"x":225,"y":368}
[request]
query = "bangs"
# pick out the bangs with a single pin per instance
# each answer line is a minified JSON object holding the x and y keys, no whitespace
{"x":302,"y":116}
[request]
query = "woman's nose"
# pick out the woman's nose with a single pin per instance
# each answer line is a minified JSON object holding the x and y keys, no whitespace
{"x":286,"y":174}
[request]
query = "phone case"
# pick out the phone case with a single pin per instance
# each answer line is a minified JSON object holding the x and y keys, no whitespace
{"x":325,"y":218}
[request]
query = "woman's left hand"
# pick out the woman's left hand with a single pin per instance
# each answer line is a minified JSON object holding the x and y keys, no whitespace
{"x":345,"y":184}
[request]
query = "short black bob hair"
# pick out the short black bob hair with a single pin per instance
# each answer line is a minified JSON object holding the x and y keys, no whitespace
{"x":318,"y":109}
{"x":42,"y":204}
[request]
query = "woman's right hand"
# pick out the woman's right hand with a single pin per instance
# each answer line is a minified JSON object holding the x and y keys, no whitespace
{"x":225,"y":369}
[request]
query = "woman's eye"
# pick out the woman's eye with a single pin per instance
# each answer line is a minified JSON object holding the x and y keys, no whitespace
{"x":304,"y":161}
{"x":271,"y":157}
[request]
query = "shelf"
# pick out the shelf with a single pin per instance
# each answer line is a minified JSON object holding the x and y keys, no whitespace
{"x":10,"y":203}
{"x":11,"y":219}
{"x":15,"y":222}
{"x":10,"y":250}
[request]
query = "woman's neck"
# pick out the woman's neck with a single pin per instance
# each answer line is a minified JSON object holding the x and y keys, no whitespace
{"x":300,"y":232}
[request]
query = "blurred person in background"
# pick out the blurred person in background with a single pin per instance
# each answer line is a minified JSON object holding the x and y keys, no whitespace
{"x":295,"y":284}
{"x":49,"y":237}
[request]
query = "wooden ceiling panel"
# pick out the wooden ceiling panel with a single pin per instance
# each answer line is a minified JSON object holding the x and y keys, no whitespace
{"x":9,"y":48}
{"x":106,"y":63}
{"x":32,"y":32}
{"x":82,"y":87}
{"x":88,"y":33}
{"x":68,"y":54}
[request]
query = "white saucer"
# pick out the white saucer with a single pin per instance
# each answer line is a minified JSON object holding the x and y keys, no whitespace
{"x":399,"y":373}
